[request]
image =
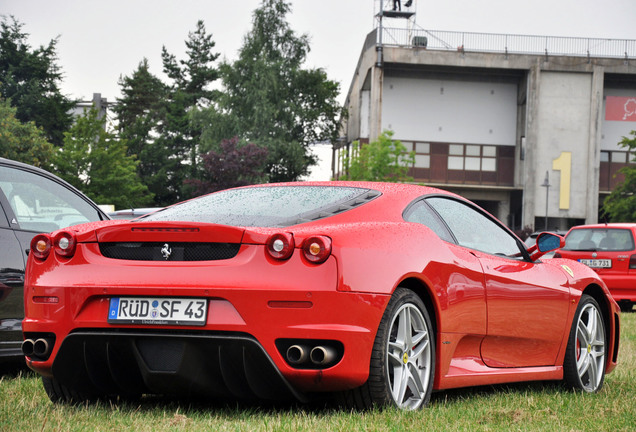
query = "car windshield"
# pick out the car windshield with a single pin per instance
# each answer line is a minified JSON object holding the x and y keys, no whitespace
{"x":599,"y":239}
{"x":273,"y":206}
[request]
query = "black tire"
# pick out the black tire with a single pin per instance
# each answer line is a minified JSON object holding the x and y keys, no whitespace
{"x":406,"y":366}
{"x":585,"y":355}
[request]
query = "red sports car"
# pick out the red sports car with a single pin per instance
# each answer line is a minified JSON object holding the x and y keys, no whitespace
{"x":610,"y":250}
{"x":377,"y":292}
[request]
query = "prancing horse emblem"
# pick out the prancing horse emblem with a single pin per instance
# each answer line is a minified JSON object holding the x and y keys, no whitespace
{"x":166,"y":251}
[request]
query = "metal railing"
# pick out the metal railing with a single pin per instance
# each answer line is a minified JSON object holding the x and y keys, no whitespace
{"x":513,"y":44}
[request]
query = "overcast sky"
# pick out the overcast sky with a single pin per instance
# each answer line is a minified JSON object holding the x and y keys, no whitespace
{"x":101,"y":40}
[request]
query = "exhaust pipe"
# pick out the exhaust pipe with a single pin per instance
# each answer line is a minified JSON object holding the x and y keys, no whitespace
{"x":322,"y":355}
{"x":42,"y":346}
{"x":297,"y":354}
{"x":27,"y":347}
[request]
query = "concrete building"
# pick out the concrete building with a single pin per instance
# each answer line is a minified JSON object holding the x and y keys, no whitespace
{"x":98,"y":102}
{"x":496,"y":118}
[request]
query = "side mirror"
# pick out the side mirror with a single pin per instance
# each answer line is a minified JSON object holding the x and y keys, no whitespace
{"x":546,"y":242}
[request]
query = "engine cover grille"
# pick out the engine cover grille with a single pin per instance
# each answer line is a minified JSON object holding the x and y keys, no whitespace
{"x":161,"y":251}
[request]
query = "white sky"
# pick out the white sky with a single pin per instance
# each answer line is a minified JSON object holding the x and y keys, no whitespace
{"x":101,"y":40}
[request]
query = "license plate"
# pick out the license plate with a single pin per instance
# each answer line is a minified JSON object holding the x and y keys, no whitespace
{"x":157,"y":311}
{"x":597,"y":263}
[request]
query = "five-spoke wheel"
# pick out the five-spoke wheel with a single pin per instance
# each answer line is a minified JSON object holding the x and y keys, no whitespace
{"x":584,"y":364}
{"x":409,"y":356}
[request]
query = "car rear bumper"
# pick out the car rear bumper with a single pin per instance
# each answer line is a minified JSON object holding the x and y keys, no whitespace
{"x":248,"y":329}
{"x":98,"y":362}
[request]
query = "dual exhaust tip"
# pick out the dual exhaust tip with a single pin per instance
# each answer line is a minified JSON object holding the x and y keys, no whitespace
{"x":321,"y":355}
{"x":40,"y":347}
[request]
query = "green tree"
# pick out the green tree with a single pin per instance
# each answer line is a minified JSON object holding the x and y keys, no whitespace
{"x":189,"y":89}
{"x":141,"y":108}
{"x":270,"y":99}
{"x":620,"y":205}
{"x":95,"y":161}
{"x":30,"y":79}
{"x":385,"y":159}
{"x":24,"y":142}
{"x":140,"y":112}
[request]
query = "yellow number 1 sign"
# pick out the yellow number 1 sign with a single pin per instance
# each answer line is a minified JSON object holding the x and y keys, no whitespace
{"x":564,"y":164}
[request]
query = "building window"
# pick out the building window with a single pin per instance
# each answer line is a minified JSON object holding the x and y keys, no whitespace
{"x":470,"y":157}
{"x":619,"y":157}
{"x":422,"y":155}
{"x":605,"y":156}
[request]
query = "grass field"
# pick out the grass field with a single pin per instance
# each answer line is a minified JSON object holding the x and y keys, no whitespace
{"x":531,"y":406}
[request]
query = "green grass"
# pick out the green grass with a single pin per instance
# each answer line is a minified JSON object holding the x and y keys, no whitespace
{"x":529,"y":406}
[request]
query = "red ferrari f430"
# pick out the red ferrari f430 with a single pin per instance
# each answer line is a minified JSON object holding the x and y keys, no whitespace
{"x":380,"y":293}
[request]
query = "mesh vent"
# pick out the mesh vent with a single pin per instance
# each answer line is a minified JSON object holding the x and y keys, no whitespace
{"x":160,"y":354}
{"x":158,"y":251}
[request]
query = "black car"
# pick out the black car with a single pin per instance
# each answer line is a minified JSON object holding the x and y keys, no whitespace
{"x":32,"y":201}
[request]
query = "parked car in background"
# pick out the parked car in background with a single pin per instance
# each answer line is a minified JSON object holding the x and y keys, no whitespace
{"x":32,"y":201}
{"x":132,"y":213}
{"x":610,"y":250}
{"x":380,"y":292}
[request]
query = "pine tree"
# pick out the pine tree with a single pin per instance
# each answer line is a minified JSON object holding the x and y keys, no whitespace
{"x":30,"y":78}
{"x":140,"y":112}
{"x":269,"y":99}
{"x":190,"y":89}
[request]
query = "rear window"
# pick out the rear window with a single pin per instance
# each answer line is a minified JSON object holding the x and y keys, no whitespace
{"x":274,"y":206}
{"x":599,"y":239}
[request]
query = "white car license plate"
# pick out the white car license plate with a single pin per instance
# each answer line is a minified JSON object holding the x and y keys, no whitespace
{"x":157,"y":311}
{"x":597,"y":263}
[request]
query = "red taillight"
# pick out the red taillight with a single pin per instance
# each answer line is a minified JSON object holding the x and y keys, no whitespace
{"x":557,"y":255}
{"x":64,"y":244}
{"x":632,"y":262}
{"x":41,"y":246}
{"x":280,"y":246}
{"x":317,"y":249}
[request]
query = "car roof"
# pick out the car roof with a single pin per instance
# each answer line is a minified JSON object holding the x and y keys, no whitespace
{"x":621,"y":225}
{"x":50,"y":176}
{"x":402,"y":189}
{"x":27,"y":167}
{"x":34,"y":169}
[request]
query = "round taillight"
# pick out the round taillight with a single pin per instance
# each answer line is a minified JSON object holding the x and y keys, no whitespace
{"x":280,"y":246}
{"x":317,"y":249}
{"x":41,"y":246}
{"x":64,"y":244}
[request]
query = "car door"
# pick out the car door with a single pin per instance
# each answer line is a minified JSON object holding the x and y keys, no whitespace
{"x":11,"y":283}
{"x":464,"y":300}
{"x":33,"y":202}
{"x":527,"y":302}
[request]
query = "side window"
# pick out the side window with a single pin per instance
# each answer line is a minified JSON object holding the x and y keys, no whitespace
{"x":40,"y":204}
{"x":4,"y":221}
{"x":473,"y":229}
{"x":421,"y":213}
